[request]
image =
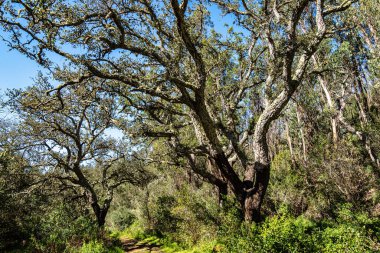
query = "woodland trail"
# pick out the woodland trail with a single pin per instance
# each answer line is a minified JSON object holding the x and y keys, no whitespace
{"x":133,"y":246}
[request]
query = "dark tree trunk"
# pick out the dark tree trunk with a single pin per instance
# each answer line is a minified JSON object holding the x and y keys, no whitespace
{"x":222,"y":193}
{"x":228,"y":173}
{"x":100,"y":214}
{"x":102,"y":218}
{"x":254,"y":196}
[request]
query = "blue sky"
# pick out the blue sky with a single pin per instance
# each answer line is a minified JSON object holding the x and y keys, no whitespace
{"x":16,"y":70}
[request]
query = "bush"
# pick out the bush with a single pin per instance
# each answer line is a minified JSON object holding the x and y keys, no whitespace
{"x":165,"y":221}
{"x":122,"y":219}
{"x":59,"y":230}
{"x":351,"y":233}
{"x":98,"y":247}
{"x":284,"y":233}
{"x":92,"y":247}
{"x":185,"y":218}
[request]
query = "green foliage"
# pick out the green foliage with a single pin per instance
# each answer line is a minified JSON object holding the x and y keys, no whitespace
{"x":98,"y":247}
{"x":19,"y":204}
{"x":330,"y":176}
{"x":287,"y":184}
{"x":59,"y":230}
{"x":92,"y":246}
{"x":122,"y":218}
{"x":187,"y":218}
{"x":191,"y":95}
{"x":165,"y":221}
{"x":350,"y":232}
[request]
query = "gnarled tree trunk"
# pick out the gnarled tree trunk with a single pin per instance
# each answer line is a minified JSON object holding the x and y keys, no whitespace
{"x":100,"y":214}
{"x":254,"y":196}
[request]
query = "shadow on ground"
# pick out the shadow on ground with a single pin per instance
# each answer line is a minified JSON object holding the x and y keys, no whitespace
{"x":134,"y":246}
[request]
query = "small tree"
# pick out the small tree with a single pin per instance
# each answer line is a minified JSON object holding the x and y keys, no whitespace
{"x":68,"y":138}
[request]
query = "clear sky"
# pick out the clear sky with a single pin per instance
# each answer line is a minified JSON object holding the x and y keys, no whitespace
{"x":16,"y":70}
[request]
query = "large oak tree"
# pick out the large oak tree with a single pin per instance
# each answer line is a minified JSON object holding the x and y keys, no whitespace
{"x":166,"y":60}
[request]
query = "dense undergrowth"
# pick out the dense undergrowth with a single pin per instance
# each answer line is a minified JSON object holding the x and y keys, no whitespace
{"x":348,"y":231}
{"x":328,"y":204}
{"x":186,"y":218}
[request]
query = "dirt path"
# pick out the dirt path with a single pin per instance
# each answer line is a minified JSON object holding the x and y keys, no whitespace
{"x":134,"y":246}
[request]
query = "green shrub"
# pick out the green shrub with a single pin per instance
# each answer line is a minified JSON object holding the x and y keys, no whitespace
{"x":92,"y":247}
{"x":59,"y":229}
{"x":165,"y":221}
{"x":122,"y":219}
{"x":186,"y":218}
{"x":350,"y":232}
{"x":281,"y":233}
{"x":98,"y":247}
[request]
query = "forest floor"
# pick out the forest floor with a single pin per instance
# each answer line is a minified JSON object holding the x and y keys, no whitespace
{"x":135,"y":246}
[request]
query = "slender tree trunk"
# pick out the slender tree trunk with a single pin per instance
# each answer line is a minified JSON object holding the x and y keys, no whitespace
{"x":302,"y":134}
{"x":375,"y":160}
{"x":362,"y":137}
{"x":146,"y":205}
{"x":221,"y":185}
{"x":100,"y":212}
{"x":289,"y":139}
{"x":331,"y":105}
